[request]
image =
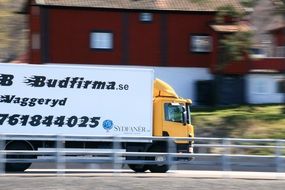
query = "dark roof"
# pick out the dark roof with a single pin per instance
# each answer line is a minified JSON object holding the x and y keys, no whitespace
{"x":171,"y":5}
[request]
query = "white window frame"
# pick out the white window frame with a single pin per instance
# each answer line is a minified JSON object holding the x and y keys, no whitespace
{"x":146,"y":17}
{"x":101,"y":40}
{"x":201,"y":43}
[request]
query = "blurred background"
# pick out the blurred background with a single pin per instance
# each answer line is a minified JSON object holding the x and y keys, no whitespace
{"x":227,"y":56}
{"x":13,"y":30}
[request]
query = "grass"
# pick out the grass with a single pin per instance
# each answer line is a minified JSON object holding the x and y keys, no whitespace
{"x":253,"y":121}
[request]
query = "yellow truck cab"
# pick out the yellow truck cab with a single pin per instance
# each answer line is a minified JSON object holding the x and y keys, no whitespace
{"x":171,"y":118}
{"x":171,"y":113}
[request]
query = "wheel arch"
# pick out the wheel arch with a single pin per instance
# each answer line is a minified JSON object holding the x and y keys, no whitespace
{"x":20,"y":142}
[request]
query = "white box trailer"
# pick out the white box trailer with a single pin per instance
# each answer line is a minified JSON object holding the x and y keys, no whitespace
{"x":67,"y":100}
{"x":89,"y":103}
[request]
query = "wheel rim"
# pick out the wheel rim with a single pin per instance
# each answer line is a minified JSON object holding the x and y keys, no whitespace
{"x":160,"y":159}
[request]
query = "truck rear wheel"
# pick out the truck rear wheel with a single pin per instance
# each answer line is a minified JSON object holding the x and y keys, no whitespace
{"x":158,"y":168}
{"x":18,"y":145}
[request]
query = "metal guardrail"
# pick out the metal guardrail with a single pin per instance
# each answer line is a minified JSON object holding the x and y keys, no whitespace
{"x":227,"y":152}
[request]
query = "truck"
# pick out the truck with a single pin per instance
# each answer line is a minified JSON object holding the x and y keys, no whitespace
{"x":91,"y":101}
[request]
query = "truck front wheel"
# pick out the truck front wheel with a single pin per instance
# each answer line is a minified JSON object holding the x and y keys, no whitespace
{"x":18,"y":145}
{"x":139,"y":168}
{"x":158,"y":168}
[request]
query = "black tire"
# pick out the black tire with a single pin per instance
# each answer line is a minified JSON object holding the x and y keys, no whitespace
{"x":158,"y":168}
{"x":18,"y":145}
{"x":139,"y":168}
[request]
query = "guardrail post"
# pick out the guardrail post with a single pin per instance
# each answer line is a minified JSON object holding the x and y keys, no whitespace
{"x":226,"y":155}
{"x":278,"y":156}
{"x":2,"y":155}
{"x":171,"y":148}
{"x":60,"y":161}
{"x":117,"y":163}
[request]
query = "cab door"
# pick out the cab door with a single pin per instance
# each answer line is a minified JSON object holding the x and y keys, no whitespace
{"x":175,"y":119}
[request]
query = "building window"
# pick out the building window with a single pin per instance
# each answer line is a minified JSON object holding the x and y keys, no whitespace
{"x":146,"y":17}
{"x":101,"y":40}
{"x":261,"y":86}
{"x":281,"y":86}
{"x":36,"y":41}
{"x":201,"y":43}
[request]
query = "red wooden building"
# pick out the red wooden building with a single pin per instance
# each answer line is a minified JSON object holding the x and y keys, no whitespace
{"x":180,"y":34}
{"x":176,"y":33}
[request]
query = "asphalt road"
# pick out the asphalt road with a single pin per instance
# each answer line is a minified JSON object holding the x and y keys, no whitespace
{"x":128,"y":180}
{"x":212,"y":164}
{"x":46,"y":176}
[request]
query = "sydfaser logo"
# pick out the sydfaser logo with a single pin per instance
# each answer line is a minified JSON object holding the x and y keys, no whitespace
{"x":108,"y":125}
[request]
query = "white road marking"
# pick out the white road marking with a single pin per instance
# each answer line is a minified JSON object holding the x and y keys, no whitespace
{"x":130,"y":173}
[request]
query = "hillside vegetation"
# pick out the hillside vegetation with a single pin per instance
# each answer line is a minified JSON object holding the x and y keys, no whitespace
{"x":266,"y":121}
{"x":13,"y":30}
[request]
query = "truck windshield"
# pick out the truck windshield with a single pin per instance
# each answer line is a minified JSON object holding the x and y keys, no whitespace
{"x":174,"y":112}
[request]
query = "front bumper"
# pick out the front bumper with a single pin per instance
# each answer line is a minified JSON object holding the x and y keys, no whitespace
{"x":185,"y":148}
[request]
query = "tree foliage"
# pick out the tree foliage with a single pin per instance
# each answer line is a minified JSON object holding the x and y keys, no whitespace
{"x":248,"y":3}
{"x":227,"y":11}
{"x":233,"y":46}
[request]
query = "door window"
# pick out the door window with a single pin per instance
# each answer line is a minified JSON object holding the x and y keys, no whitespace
{"x":174,"y":112}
